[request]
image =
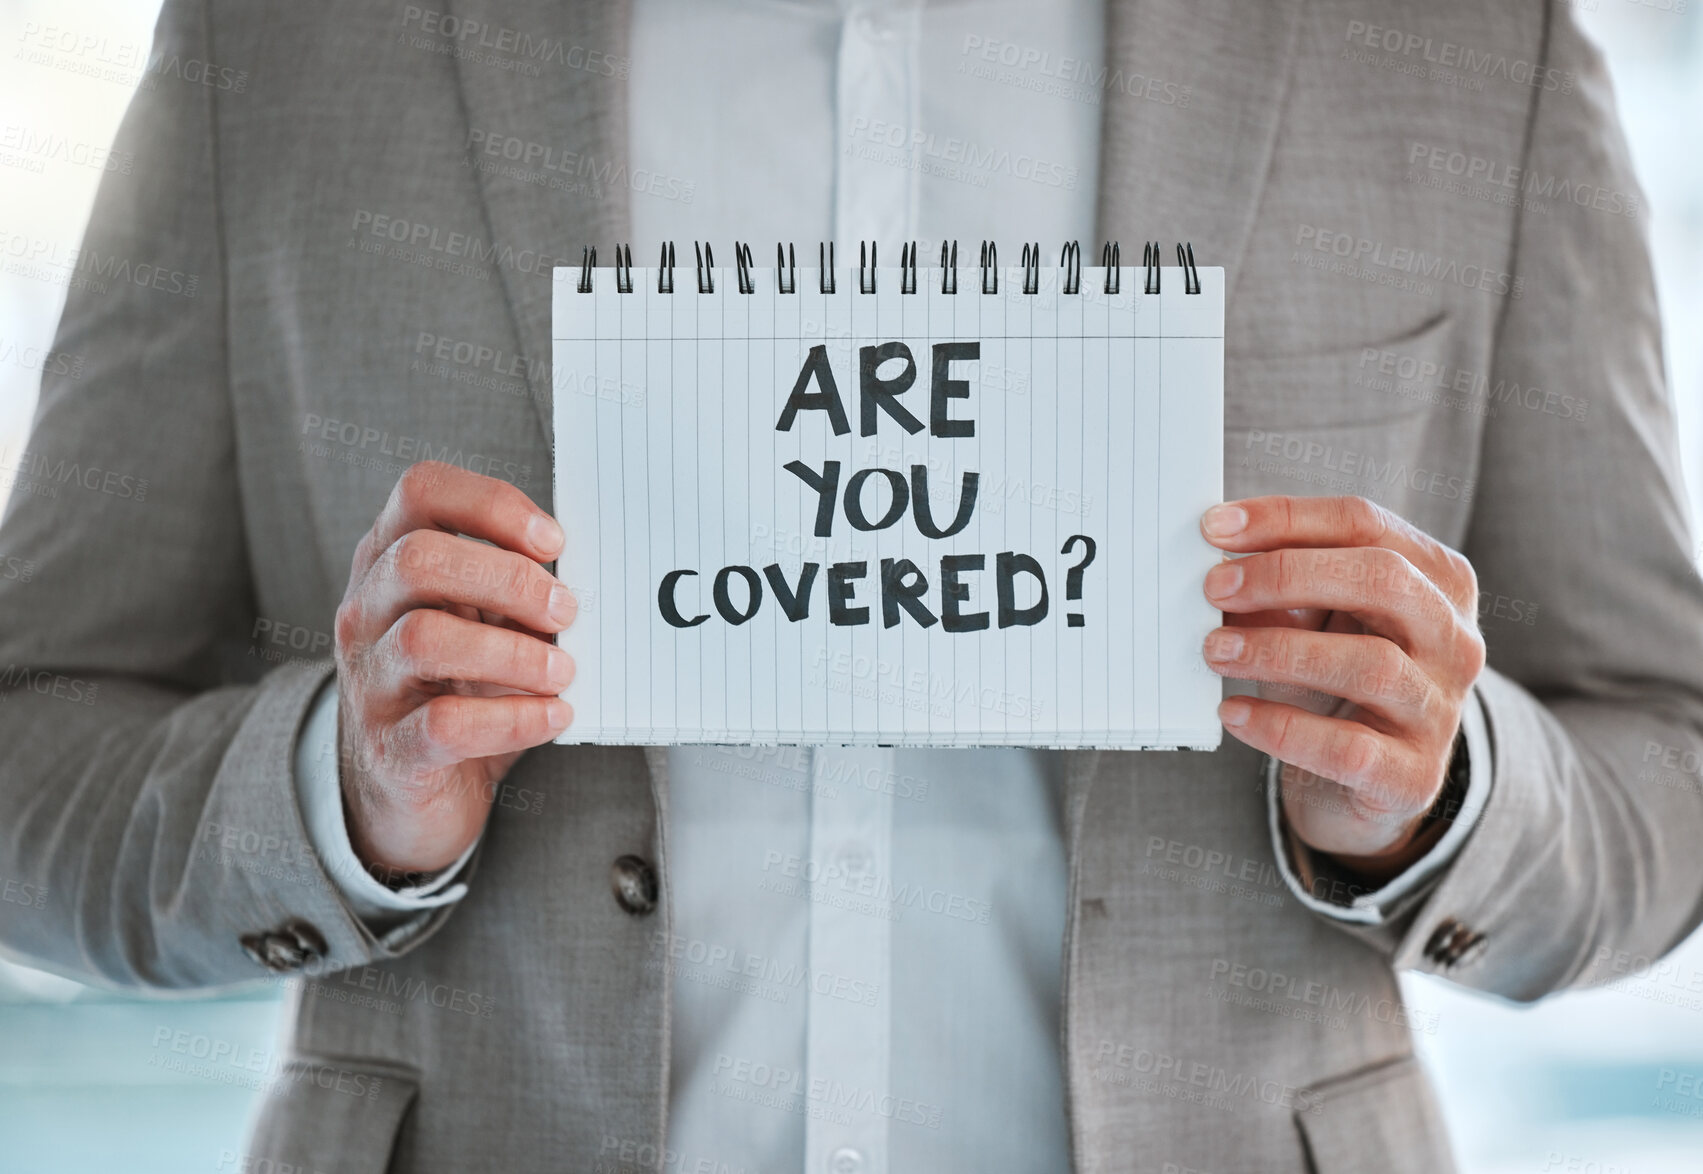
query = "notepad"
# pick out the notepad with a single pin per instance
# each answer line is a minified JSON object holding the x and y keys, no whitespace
{"x":888,"y":507}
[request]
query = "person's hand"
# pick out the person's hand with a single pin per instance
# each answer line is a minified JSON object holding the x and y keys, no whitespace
{"x":445,"y":665}
{"x":1368,"y":630}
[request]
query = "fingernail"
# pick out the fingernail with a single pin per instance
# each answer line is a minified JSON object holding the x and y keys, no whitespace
{"x":562,"y":605}
{"x":1233,"y":711}
{"x":561,"y":669}
{"x":1224,"y":644}
{"x":544,"y":533}
{"x":1222,"y":521}
{"x":1224,"y":579}
{"x":558,"y":714}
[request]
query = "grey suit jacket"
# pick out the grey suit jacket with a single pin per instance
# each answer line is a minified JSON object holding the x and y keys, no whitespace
{"x":258,"y":309}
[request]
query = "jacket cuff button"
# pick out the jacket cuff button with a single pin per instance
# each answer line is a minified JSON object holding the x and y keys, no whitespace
{"x":307,"y":939}
{"x":1452,"y":944}
{"x":290,"y":947}
{"x":253,"y":945}
{"x":1437,"y":945}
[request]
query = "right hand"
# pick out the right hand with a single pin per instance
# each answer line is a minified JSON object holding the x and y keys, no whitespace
{"x":446,"y":667}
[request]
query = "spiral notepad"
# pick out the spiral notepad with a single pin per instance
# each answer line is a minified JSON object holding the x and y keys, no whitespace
{"x":896,"y":506}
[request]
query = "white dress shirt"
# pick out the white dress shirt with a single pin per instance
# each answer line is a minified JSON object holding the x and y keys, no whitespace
{"x":866,"y":943}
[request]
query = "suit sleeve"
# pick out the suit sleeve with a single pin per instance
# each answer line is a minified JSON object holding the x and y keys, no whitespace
{"x":1588,"y":847}
{"x":146,"y":808}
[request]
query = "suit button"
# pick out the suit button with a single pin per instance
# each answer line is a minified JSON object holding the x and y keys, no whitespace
{"x":287,"y":948}
{"x":634,"y":883}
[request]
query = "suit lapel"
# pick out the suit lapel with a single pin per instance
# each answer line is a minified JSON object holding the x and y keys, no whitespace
{"x":573,"y":105}
{"x":1191,"y":170}
{"x":551,"y":77}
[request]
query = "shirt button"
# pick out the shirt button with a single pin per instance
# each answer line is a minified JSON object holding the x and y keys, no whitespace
{"x":856,"y":859}
{"x":634,"y":885}
{"x":845,"y":1160}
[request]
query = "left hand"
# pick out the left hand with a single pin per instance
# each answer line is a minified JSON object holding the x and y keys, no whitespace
{"x":1370,"y":627}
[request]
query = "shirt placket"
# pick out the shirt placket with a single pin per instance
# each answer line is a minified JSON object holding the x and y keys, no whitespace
{"x":848,"y":1048}
{"x":848,"y":1066}
{"x":878,"y":107}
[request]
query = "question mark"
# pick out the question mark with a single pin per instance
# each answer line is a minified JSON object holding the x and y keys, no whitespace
{"x":1073,"y":580}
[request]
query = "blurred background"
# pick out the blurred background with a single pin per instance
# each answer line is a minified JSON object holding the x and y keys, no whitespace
{"x":1604,"y":1082}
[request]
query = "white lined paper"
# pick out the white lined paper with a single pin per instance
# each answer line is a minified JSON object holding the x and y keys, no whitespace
{"x":1095,"y":414}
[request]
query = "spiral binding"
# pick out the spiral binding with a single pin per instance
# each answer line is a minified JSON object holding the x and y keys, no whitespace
{"x":706,"y":267}
{"x":786,"y":268}
{"x":623,"y":269}
{"x":742,"y":259}
{"x":665,"y":267}
{"x":1070,"y":262}
{"x":1191,"y":275}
